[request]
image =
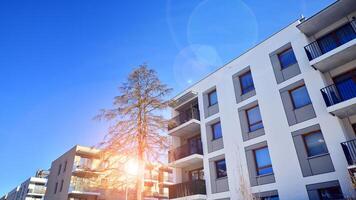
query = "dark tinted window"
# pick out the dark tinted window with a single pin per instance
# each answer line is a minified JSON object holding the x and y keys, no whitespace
{"x":59,"y":169}
{"x":330,"y":193}
{"x":270,"y":198}
{"x":336,"y":38}
{"x":287,"y":58}
{"x":220,"y":168}
{"x":315,"y":144}
{"x":300,"y":97}
{"x":263,"y":161}
{"x":216,"y":128}
{"x":213,"y":98}
{"x":254,"y":118}
{"x":55,"y":188}
{"x":246,"y":82}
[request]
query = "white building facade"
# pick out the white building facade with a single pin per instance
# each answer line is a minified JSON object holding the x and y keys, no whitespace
{"x":33,"y":188}
{"x":278,"y":122}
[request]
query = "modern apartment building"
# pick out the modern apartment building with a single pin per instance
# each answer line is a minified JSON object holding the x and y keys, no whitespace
{"x":79,"y":174}
{"x":33,"y":188}
{"x":278,"y":122}
{"x":75,"y":176}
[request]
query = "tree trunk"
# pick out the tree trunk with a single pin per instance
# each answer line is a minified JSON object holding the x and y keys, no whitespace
{"x":140,"y":176}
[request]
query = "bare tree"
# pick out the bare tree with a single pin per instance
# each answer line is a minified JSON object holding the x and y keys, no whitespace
{"x":137,"y":128}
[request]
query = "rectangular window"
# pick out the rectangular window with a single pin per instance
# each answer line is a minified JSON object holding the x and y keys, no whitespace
{"x":65,"y":166}
{"x":287,"y":58}
{"x":330,"y":193}
{"x":315,"y":144}
{"x":263,"y":161}
{"x":254,"y":118}
{"x":55,"y":188}
{"x":59,"y":169}
{"x":220,"y":166}
{"x":216,"y":129}
{"x":61,"y":187}
{"x":300,"y":97}
{"x":213,"y":98}
{"x":246,"y":82}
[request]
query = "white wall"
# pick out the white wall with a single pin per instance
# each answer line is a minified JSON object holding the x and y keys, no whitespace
{"x":289,"y":180}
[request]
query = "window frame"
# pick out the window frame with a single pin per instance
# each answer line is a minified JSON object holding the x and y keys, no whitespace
{"x":263,"y":167}
{"x":61,"y":186}
{"x":250,"y":88}
{"x":218,"y":176}
{"x":65,"y":166}
{"x":209,"y":99}
{"x":306,"y":147}
{"x":248,"y":120}
{"x":292,"y":99}
{"x":283,"y":52}
{"x":59,"y":169}
{"x":55,"y":188}
{"x":213,"y":130}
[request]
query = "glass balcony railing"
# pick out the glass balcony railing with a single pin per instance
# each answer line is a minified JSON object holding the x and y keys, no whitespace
{"x":331,"y":41}
{"x":339,"y":92}
{"x":183,"y":117}
{"x":38,"y":189}
{"x":185,"y":151}
{"x":187,"y":189}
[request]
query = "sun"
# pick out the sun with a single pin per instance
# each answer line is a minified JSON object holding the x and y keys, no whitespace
{"x":131,"y":167}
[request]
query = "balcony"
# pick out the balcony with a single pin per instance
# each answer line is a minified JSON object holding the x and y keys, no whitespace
{"x":192,"y":189}
{"x":185,"y":123}
{"x":85,"y":171}
{"x":38,"y":190}
{"x":185,"y":155}
{"x":334,"y":49}
{"x":340,"y":98}
{"x":349,"y":149}
{"x":82,"y":189}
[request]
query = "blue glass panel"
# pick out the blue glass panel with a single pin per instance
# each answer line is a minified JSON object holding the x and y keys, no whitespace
{"x":263,"y":161}
{"x":217,"y":133}
{"x":267,"y":170}
{"x":327,"y":43}
{"x":254,"y":115}
{"x":315,"y":144}
{"x":345,"y":34}
{"x":246,"y":83}
{"x":254,"y":119}
{"x":346,"y":89}
{"x":213,"y":98}
{"x":256,"y":126}
{"x":287,"y":58}
{"x":300,"y":97}
{"x":262,"y":157}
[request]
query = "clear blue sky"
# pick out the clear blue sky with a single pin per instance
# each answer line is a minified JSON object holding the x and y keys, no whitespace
{"x":61,"y":61}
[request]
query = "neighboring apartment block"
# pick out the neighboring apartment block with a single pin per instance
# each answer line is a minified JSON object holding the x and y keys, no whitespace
{"x":278,"y":122}
{"x":81,"y":174}
{"x":33,"y":188}
{"x":76,"y":174}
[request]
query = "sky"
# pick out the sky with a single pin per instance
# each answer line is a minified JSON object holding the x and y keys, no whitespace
{"x":62,"y":60}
